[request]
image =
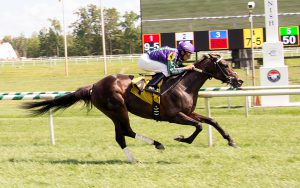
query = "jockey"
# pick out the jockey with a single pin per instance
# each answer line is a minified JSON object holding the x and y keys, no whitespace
{"x":166,"y":62}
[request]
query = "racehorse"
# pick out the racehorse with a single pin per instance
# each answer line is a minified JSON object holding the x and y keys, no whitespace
{"x":112,"y":95}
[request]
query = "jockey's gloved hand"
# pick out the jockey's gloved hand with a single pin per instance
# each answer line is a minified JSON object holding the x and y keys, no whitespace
{"x":189,"y":67}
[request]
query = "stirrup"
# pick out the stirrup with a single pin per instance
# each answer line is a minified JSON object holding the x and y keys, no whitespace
{"x":151,"y":89}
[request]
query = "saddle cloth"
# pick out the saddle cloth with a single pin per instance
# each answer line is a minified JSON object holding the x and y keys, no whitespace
{"x":138,"y":86}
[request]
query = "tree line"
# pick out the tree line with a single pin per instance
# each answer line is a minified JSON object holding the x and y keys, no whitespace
{"x":122,"y":35}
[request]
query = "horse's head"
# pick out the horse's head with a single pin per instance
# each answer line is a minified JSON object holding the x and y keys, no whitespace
{"x":215,"y":66}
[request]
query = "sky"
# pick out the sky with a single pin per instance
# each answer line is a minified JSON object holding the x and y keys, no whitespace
{"x":27,"y":16}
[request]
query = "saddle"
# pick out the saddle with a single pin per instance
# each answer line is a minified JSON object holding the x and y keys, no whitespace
{"x":138,"y":89}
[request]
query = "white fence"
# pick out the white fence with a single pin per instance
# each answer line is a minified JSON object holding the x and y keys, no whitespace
{"x":207,"y":94}
{"x":288,"y":52}
{"x":77,"y":59}
{"x":238,"y":93}
{"x":35,"y":95}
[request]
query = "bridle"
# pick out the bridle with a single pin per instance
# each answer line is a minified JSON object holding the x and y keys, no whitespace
{"x":229,"y":79}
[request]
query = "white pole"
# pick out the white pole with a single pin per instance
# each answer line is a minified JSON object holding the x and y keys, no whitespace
{"x":51,"y":127}
{"x":103,"y":37}
{"x":252,"y":54}
{"x":246,"y":106}
{"x":228,"y":102}
{"x":207,"y":107}
{"x":65,"y":40}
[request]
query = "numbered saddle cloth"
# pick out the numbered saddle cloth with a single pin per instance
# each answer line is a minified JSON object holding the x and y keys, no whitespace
{"x":138,"y":86}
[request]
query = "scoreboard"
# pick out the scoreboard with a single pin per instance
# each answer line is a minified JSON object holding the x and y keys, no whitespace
{"x":289,"y":35}
{"x":151,"y":42}
{"x":220,"y":39}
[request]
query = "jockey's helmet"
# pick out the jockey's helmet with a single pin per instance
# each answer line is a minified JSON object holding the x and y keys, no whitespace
{"x":186,"y":46}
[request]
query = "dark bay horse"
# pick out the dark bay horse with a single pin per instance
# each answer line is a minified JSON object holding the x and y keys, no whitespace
{"x":112,"y":96}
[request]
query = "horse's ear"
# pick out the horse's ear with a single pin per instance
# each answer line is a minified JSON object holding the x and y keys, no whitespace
{"x":214,"y":55}
{"x":206,"y":56}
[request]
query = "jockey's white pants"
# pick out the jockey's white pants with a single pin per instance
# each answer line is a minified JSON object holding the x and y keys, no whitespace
{"x":150,"y":65}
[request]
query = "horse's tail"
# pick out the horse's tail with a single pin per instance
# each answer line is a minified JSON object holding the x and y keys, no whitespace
{"x":39,"y":108}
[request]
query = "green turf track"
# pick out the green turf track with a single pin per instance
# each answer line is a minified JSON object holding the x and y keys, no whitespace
{"x":86,"y":154}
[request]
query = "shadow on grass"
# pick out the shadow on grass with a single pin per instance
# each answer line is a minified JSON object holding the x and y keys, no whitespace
{"x":69,"y":161}
{"x":79,"y":162}
{"x":83,"y":162}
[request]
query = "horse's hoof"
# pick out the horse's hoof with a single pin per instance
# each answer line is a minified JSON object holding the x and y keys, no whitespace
{"x":232,"y":144}
{"x":160,"y":147}
{"x":179,"y":138}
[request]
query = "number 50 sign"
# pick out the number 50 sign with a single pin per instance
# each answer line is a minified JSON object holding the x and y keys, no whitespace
{"x":289,"y":35}
{"x":258,"y":37}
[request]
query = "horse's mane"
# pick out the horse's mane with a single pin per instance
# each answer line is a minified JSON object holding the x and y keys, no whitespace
{"x":202,"y":59}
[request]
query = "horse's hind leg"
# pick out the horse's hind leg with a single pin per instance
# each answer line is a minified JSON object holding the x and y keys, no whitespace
{"x":212,"y":122}
{"x":122,"y":129}
{"x":127,"y":131}
{"x":120,"y":138}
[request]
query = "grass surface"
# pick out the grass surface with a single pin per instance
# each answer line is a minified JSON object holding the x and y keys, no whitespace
{"x":86,"y":154}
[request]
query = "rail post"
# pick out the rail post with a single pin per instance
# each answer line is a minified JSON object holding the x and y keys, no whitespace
{"x":51,"y":128}
{"x":207,"y":107}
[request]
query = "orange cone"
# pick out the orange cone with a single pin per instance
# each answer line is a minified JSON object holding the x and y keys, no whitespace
{"x":257,"y":101}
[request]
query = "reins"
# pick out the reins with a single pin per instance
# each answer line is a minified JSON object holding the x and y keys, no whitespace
{"x":210,"y":75}
{"x":204,"y":72}
{"x":172,"y":86}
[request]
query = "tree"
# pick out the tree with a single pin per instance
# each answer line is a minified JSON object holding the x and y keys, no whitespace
{"x":8,"y":39}
{"x":122,"y":35}
{"x":43,"y":38}
{"x":113,"y":32}
{"x":51,"y":40}
{"x":55,"y":35}
{"x":20,"y":45}
{"x":33,"y":49}
{"x":86,"y":31}
{"x":131,"y":33}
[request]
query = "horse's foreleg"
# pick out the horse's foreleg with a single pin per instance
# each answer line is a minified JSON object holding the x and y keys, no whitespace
{"x":130,"y":133}
{"x":183,"y":119}
{"x":149,"y":141}
{"x":215,"y":124}
{"x":120,"y":138}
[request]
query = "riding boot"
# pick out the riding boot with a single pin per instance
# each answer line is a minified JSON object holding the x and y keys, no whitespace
{"x":151,"y":86}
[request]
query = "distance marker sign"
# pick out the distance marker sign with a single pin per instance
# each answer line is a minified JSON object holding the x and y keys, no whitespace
{"x":289,"y":35}
{"x":151,"y":42}
{"x":218,"y":39}
{"x":258,"y":37}
{"x":184,"y":36}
